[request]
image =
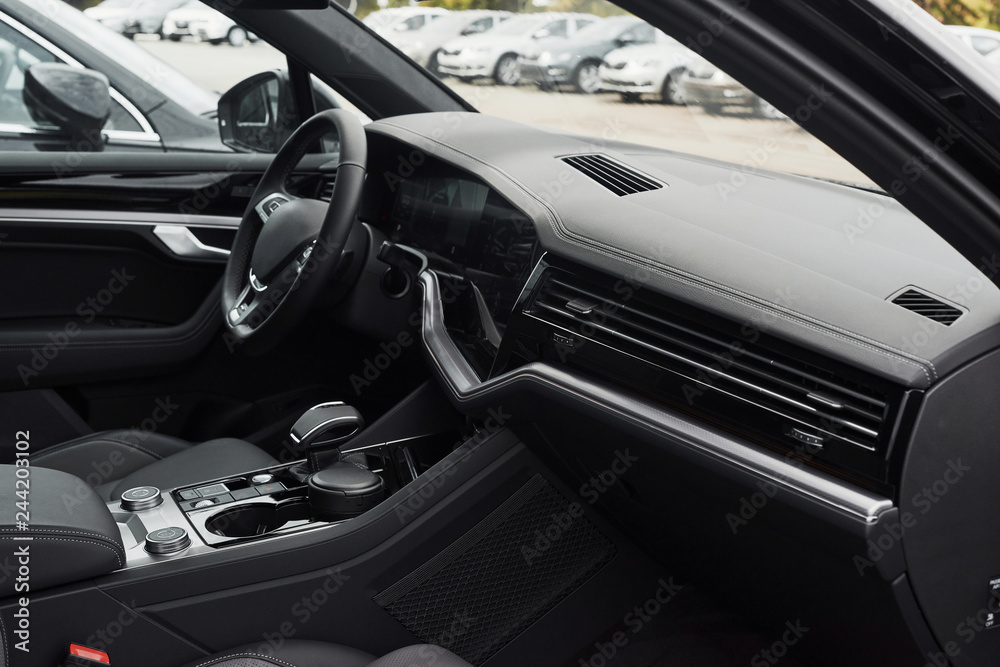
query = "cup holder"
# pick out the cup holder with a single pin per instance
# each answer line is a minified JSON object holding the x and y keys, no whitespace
{"x":257,"y":519}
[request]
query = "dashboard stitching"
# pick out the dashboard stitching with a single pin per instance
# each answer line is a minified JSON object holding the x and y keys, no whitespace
{"x":670,"y":272}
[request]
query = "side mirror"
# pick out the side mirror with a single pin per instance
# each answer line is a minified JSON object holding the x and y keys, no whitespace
{"x":541,"y":34}
{"x":625,"y":40}
{"x":75,"y":100}
{"x":258,"y":114}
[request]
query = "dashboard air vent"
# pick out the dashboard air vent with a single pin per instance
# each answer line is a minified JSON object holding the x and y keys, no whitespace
{"x":612,"y":175}
{"x":326,"y":187}
{"x":721,"y":376}
{"x":928,"y":306}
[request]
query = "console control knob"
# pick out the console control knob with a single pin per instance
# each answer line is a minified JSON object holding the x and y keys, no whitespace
{"x":167,"y":540}
{"x":263,"y":478}
{"x":141,"y":498}
{"x":344,"y":490}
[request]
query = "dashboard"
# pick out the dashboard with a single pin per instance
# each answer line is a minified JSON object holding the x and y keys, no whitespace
{"x":742,"y":350}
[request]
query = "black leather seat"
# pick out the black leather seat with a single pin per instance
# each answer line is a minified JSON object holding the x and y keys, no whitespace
{"x":303,"y":653}
{"x":115,"y":461}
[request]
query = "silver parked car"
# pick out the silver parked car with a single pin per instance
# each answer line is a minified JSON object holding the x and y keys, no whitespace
{"x":495,"y":53}
{"x":707,"y":86}
{"x":424,"y":44}
{"x":647,"y":69}
{"x":397,"y":20}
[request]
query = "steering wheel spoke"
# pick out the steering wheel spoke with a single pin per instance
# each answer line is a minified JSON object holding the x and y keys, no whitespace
{"x":270,"y":203}
{"x":273,"y":277}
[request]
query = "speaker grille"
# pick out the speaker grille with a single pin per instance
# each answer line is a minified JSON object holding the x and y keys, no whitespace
{"x":503,"y":575}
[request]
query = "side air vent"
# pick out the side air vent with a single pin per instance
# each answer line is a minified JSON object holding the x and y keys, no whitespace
{"x":718,"y":375}
{"x":928,"y":306}
{"x":612,"y":175}
{"x":326,"y":187}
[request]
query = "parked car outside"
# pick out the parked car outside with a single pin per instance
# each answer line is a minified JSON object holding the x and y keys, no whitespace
{"x":707,"y":86}
{"x":397,"y":20}
{"x":983,"y":40}
{"x":146,"y":17}
{"x":424,"y":44}
{"x":494,"y":54}
{"x":111,"y":13}
{"x":195,"y":19}
{"x":577,"y":60}
{"x":647,"y":69}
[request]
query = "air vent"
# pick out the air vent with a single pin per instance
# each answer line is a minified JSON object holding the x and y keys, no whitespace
{"x":722,"y":376}
{"x":326,"y":187}
{"x":612,"y":175}
{"x":928,"y":306}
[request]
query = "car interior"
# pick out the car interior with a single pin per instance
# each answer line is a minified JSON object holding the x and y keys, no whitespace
{"x":454,"y":390}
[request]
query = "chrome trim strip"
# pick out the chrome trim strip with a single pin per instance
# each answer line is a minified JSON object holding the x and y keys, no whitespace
{"x":465,"y":386}
{"x":181,"y":241}
{"x":76,"y":217}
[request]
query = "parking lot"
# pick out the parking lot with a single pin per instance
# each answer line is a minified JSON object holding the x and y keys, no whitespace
{"x":755,"y":143}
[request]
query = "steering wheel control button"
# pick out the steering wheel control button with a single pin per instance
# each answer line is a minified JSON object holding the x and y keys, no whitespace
{"x":263,"y":478}
{"x":167,"y":540}
{"x":141,"y":498}
{"x":212,"y":490}
{"x":188,"y":494}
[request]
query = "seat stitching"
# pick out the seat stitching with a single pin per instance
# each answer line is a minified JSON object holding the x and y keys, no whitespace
{"x":84,"y":533}
{"x":261,"y":656}
{"x":118,"y":556}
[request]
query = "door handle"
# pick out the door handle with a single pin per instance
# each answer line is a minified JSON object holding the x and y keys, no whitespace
{"x":182,"y":242}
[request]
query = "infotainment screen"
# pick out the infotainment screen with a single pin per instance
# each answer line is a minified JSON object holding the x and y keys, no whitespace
{"x":467,"y":229}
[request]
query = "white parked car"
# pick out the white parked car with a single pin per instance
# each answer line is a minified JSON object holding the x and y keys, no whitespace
{"x":112,"y":13}
{"x":495,"y":53}
{"x":424,"y":44}
{"x":196,"y":19}
{"x":647,"y":69}
{"x":397,"y":20}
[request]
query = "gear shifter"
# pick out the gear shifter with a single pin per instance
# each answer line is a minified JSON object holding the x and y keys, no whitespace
{"x":322,"y":429}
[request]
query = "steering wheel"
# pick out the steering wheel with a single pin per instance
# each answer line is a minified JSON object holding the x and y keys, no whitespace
{"x":286,"y":248}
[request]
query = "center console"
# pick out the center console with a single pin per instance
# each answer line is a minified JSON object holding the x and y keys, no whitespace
{"x":345,"y":472}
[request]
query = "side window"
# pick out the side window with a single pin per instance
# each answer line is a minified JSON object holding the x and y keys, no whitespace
{"x":557,"y":28}
{"x":641,"y":34}
{"x":17,"y":54}
{"x":479,"y":26}
{"x":583,"y":23}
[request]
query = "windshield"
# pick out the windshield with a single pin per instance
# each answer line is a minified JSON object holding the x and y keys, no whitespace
{"x":645,"y":90}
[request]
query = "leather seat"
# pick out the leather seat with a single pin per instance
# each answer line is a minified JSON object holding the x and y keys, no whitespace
{"x":304,"y":653}
{"x":114,"y":461}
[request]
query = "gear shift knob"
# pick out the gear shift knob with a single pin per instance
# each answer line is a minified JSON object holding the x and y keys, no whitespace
{"x":322,"y":429}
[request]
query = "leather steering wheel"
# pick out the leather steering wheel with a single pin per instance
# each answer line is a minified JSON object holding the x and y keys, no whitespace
{"x":286,"y":248}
